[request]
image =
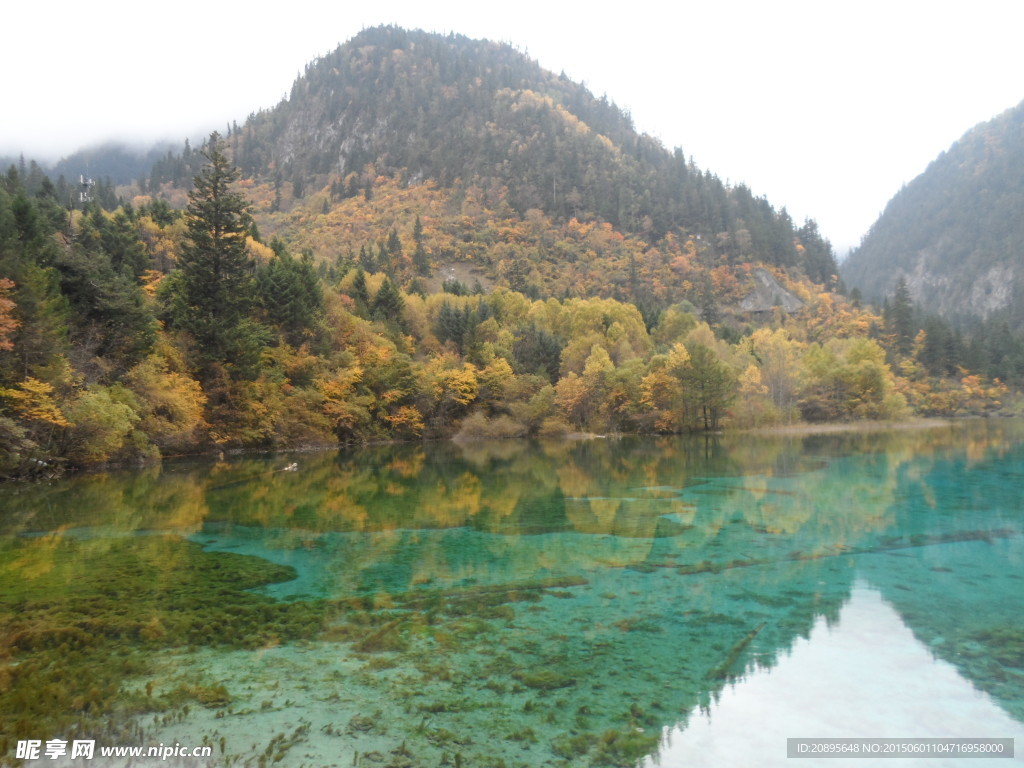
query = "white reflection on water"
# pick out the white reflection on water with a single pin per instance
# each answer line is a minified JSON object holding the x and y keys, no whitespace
{"x":865,"y":677}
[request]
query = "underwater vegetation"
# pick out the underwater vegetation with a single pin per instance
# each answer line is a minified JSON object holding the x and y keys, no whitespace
{"x":81,"y":618}
{"x":509,"y":606}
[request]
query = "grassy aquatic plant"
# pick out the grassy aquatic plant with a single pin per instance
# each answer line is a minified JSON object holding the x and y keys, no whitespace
{"x":624,"y":748}
{"x":545,"y":679}
{"x":573,"y":746}
{"x":1005,"y":644}
{"x":525,"y":734}
{"x":211,"y":696}
{"x":639,"y":624}
{"x":82,"y":617}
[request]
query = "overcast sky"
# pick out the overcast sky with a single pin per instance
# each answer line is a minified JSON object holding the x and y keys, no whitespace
{"x":826,"y":108}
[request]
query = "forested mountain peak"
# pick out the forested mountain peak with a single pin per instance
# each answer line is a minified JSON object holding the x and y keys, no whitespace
{"x":956,"y":232}
{"x":407,"y":100}
{"x":478,"y":117}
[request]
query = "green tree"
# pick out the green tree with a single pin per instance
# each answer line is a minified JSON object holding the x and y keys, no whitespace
{"x":420,"y":259}
{"x":709,"y":387}
{"x":899,"y":318}
{"x":709,"y":311}
{"x":394,"y":246}
{"x":537,"y":351}
{"x":388,"y":304}
{"x":289,"y":293}
{"x":360,"y":293}
{"x":120,"y":239}
{"x":212,"y":295}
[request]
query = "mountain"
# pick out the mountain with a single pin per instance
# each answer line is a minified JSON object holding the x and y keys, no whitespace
{"x":460,"y":114}
{"x":106,"y":166}
{"x":956,"y":232}
{"x":117,"y":162}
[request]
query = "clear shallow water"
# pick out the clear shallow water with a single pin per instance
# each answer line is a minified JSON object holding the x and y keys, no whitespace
{"x":666,"y":602}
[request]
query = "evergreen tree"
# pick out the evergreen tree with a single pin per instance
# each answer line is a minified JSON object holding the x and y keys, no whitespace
{"x":360,"y":293}
{"x":289,"y":293}
{"x":420,"y":259}
{"x":388,"y":303}
{"x":394,"y":246}
{"x":709,"y":311}
{"x":537,"y":351}
{"x":212,"y":293}
{"x":366,"y":258}
{"x":455,"y":325}
{"x":899,"y":318}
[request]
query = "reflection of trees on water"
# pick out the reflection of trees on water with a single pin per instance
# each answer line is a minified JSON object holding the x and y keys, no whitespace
{"x":696,"y":558}
{"x":679,"y":500}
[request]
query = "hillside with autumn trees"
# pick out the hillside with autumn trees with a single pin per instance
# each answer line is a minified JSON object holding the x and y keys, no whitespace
{"x":431,"y":237}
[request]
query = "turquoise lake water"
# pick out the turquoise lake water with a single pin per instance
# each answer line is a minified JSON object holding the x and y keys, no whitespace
{"x":615,"y":602}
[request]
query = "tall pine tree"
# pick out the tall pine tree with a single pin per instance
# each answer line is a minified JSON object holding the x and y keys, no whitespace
{"x":899,"y":317}
{"x":212,"y":293}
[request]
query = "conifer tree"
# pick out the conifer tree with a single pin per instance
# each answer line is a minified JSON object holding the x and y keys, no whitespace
{"x":212,"y":294}
{"x":709,"y":311}
{"x":360,"y":293}
{"x":709,"y":387}
{"x":289,"y":293}
{"x":899,"y":318}
{"x":388,"y":303}
{"x":420,"y":259}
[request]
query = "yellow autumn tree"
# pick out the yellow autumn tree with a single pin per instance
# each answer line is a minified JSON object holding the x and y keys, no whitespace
{"x":779,"y":360}
{"x":661,"y":390}
{"x":170,"y":403}
{"x":34,"y":401}
{"x":8,"y":321}
{"x":572,"y":400}
{"x":347,"y":411}
{"x":753,"y":408}
{"x":451,"y":387}
{"x":101,"y":423}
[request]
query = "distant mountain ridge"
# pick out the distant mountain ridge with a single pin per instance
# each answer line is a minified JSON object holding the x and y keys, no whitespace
{"x":956,"y":232}
{"x":119,"y":162}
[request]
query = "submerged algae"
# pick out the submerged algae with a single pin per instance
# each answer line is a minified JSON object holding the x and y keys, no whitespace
{"x":449,"y":640}
{"x":82,"y":617}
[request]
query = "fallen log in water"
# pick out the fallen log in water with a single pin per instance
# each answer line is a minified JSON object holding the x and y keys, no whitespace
{"x":915,"y":542}
{"x":722,"y":670}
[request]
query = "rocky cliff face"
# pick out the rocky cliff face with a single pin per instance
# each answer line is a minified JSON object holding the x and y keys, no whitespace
{"x":767,"y":294}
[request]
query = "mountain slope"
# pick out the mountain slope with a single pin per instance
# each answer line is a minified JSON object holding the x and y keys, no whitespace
{"x":418,"y":106}
{"x":956,"y":232}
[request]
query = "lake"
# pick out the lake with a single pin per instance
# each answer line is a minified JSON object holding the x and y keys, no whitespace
{"x":680,"y":601}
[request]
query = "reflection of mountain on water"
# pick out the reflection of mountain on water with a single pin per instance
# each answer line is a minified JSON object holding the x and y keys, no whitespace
{"x":963,"y":599}
{"x":965,"y":604}
{"x":864,"y":676}
{"x":566,"y":598}
{"x":589,"y":670}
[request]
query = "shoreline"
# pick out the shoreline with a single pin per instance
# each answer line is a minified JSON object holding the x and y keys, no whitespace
{"x":213,"y":454}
